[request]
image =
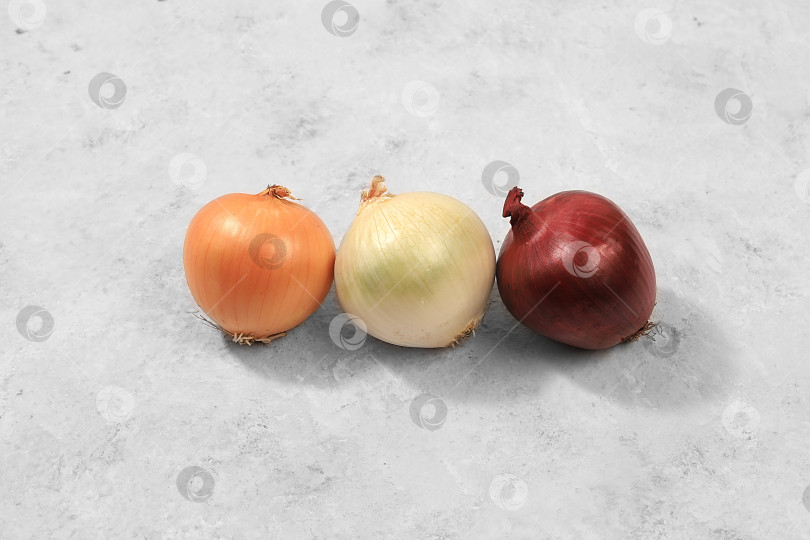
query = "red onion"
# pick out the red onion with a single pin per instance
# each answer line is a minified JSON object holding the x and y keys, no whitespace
{"x":575,"y":269}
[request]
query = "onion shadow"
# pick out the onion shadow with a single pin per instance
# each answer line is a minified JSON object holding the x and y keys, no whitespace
{"x":499,"y":363}
{"x":686,"y":362}
{"x":328,"y":350}
{"x":306,"y":356}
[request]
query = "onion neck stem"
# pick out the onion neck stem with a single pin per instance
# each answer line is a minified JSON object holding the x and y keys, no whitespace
{"x":376,"y":191}
{"x":279,"y":192}
{"x":523,"y":220}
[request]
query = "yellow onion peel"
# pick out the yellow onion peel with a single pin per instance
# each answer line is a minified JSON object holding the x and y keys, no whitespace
{"x":258,"y":265}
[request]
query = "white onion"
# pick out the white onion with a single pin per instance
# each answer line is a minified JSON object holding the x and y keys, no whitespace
{"x":417,"y":268}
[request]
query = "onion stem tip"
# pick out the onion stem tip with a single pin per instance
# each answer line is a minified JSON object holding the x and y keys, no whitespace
{"x":377,"y":189}
{"x":279,"y":192}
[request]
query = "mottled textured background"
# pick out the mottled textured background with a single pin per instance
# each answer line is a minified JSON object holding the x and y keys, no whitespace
{"x":122,"y":415}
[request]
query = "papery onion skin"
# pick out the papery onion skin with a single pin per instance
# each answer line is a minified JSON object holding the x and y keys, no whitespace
{"x":575,"y":269}
{"x":258,"y":265}
{"x":417,"y":268}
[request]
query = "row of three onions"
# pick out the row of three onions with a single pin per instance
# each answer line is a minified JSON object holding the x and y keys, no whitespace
{"x":418,"y":268}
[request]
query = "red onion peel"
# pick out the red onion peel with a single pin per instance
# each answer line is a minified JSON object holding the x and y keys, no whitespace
{"x":575,"y":269}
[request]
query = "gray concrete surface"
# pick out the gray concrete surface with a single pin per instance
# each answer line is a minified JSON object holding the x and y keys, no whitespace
{"x":123,"y":416}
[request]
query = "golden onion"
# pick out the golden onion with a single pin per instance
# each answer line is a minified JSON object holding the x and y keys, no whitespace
{"x":258,"y":265}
